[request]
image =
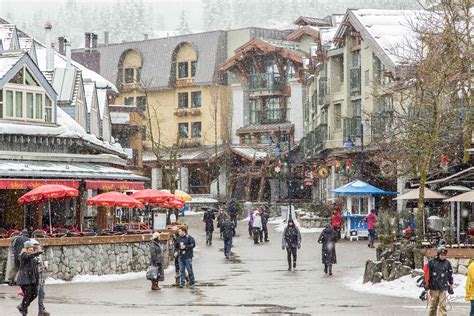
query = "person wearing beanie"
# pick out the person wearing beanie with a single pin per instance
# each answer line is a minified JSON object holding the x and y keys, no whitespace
{"x":41,"y":266}
{"x":156,"y":262}
{"x":27,"y":276}
{"x":438,"y":280}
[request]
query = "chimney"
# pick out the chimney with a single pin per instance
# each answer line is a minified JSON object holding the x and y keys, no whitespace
{"x":87,"y":42}
{"x":106,"y":38}
{"x":49,"y":47}
{"x":68,"y":53}
{"x":61,"y":45}
{"x":145,"y":36}
{"x":94,"y":40}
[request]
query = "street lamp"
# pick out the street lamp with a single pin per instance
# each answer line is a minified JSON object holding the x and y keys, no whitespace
{"x":350,"y":144}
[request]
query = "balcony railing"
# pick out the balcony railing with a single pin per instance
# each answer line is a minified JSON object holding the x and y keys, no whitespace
{"x":355,"y":81}
{"x":272,"y":116}
{"x":380,"y":125}
{"x":315,"y":139}
{"x":265,"y":82}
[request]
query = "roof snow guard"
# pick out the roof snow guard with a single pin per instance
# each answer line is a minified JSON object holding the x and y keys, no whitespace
{"x":358,"y":187}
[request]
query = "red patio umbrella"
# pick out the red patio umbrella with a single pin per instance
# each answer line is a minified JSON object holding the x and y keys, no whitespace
{"x":174,"y":203}
{"x":152,"y":196}
{"x":112,"y":199}
{"x":46,"y":193}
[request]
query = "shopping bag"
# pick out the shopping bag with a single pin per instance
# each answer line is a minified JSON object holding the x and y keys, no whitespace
{"x":152,"y":273}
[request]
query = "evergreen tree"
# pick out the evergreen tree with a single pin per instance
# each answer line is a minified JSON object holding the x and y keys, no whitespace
{"x":183,"y":27}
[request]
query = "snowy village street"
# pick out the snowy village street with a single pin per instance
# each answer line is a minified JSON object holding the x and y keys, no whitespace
{"x":254,"y":281}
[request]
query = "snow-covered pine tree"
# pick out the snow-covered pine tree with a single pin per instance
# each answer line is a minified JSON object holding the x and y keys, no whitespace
{"x":183,"y":27}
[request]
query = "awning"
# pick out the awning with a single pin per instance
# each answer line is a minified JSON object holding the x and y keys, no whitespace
{"x":358,"y":187}
{"x":114,"y":185}
{"x":465,"y":197}
{"x":415,"y":193}
{"x":17,"y":184}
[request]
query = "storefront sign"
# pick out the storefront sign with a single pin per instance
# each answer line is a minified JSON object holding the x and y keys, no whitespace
{"x":17,"y":184}
{"x":114,"y":185}
{"x":159,"y":220}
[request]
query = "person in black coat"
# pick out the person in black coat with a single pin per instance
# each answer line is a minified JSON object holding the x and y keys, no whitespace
{"x":156,"y":260}
{"x":438,"y":280}
{"x":183,"y":248}
{"x":208,"y":219}
{"x":228,"y":233}
{"x":328,"y":240}
{"x":28,"y":276}
{"x":291,"y":241}
{"x":233,"y":211}
{"x":265,"y":216}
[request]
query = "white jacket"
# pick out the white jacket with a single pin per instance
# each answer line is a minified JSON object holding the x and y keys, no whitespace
{"x":257,"y":220}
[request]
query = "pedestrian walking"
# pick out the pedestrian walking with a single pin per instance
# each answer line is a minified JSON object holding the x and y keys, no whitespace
{"x":257,"y":227}
{"x":183,"y":247}
{"x":328,"y":240}
{"x":156,"y":262}
{"x":208,"y":219}
{"x":13,"y":260}
{"x":27,"y":276}
{"x":438,"y":280}
{"x":233,"y":210}
{"x":220,"y":218}
{"x":265,"y":216}
{"x":42,"y":267}
{"x":291,"y":241}
{"x":228,"y":233}
{"x":250,"y":224}
{"x":470,"y":286}
{"x":371,"y":220}
{"x":336,"y":220}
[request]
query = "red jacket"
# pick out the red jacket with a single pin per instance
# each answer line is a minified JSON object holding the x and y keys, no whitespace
{"x":336,"y":220}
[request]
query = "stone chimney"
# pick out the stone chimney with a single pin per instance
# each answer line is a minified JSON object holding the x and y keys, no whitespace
{"x":49,"y":47}
{"x":87,"y":40}
{"x":61,"y":45}
{"x":68,"y":53}
{"x":145,"y":36}
{"x":106,"y":38}
{"x":94,"y":40}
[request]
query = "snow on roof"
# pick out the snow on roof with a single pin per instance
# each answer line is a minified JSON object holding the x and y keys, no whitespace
{"x":89,"y":88}
{"x":103,"y":101}
{"x":249,"y":152}
{"x":391,"y":29}
{"x":66,"y":127}
{"x":327,"y":35}
{"x":60,"y":62}
{"x":6,"y":35}
{"x":8,"y":60}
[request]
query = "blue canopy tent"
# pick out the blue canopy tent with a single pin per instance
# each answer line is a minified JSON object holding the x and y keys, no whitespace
{"x":361,"y":191}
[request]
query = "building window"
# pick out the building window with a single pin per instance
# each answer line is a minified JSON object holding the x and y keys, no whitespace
{"x":183,"y":70}
{"x":1,"y":103}
{"x":254,"y":112}
{"x":18,"y":78}
{"x":193,"y":68}
{"x":19,"y":104}
{"x":48,"y":110}
{"x":39,"y":107}
{"x":29,"y":79}
{"x":129,"y":101}
{"x":183,"y":130}
{"x":29,"y":105}
{"x":196,"y":99}
{"x":337,"y":116}
{"x":196,"y":129}
{"x":182,"y":100}
{"x":129,"y":75}
{"x":141,"y":101}
{"x":9,"y":103}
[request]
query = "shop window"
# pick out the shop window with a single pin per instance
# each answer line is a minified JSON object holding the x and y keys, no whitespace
{"x":183,"y":130}
{"x":196,"y":129}
{"x":183,"y":70}
{"x":196,"y":99}
{"x":182,"y":100}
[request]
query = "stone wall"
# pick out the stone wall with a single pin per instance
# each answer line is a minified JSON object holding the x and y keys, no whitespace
{"x":67,"y":261}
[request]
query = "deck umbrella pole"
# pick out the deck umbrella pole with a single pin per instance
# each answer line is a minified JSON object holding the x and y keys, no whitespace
{"x":50,"y":220}
{"x":458,"y":222}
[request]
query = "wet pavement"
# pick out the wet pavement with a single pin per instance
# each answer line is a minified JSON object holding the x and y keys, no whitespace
{"x":254,"y":281}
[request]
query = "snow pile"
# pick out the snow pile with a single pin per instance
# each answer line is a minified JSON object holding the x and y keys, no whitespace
{"x":405,"y":287}
{"x":87,"y":278}
{"x":193,"y":213}
{"x":281,"y":225}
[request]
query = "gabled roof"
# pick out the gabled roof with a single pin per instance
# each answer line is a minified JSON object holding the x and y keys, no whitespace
{"x":9,"y":37}
{"x":27,"y":44}
{"x":384,"y":31}
{"x":11,"y":63}
{"x":103,"y":102}
{"x":64,"y":82}
{"x":91,"y":93}
{"x":157,"y":57}
{"x":286,"y":49}
{"x":305,"y":30}
{"x":358,"y":187}
{"x":306,"y":20}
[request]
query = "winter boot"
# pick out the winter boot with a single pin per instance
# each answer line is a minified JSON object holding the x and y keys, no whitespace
{"x":294,"y":264}
{"x":43,"y":313}
{"x":330,"y":269}
{"x":22,"y":311}
{"x":176,"y":280}
{"x":326,"y":268}
{"x":154,"y":285}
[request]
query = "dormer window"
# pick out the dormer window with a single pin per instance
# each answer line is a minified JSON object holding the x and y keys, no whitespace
{"x":24,"y":99}
{"x":185,"y":60}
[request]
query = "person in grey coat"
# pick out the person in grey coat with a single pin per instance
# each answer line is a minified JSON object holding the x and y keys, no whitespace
{"x":328,"y":240}
{"x":27,"y":276}
{"x":156,"y":260}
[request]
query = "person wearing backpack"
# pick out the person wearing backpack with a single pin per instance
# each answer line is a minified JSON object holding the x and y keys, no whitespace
{"x":228,"y":233}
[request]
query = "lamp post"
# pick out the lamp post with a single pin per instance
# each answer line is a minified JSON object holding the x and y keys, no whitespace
{"x":350,"y":144}
{"x":289,"y":176}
